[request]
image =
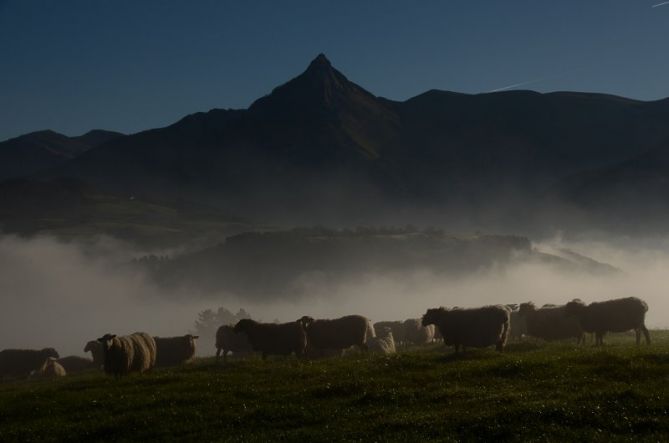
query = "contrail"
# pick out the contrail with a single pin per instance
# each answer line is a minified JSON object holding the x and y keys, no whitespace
{"x":660,"y":4}
{"x":517,"y":85}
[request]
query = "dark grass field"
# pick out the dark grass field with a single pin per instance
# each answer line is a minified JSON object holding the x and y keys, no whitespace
{"x":534,"y":391}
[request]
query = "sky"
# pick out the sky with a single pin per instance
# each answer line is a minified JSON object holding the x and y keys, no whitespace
{"x":130,"y":65}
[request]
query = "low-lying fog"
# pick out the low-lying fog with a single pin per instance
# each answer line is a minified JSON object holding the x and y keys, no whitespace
{"x":63,"y":294}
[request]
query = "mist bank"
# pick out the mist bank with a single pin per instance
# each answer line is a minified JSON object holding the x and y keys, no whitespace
{"x":62,"y":294}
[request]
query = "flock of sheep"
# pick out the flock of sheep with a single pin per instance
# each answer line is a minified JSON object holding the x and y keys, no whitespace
{"x":138,"y":352}
{"x":314,"y":338}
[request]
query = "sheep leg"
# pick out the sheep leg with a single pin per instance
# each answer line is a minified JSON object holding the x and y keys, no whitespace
{"x":645,"y":333}
{"x":499,"y":346}
{"x":505,"y":334}
{"x":218,"y":354}
{"x":599,"y":339}
{"x":637,"y":333}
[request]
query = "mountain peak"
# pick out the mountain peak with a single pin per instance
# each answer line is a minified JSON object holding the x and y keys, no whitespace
{"x":320,"y":62}
{"x":321,"y":68}
{"x":315,"y":88}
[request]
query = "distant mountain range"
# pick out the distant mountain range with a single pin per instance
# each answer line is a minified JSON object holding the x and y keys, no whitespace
{"x":37,"y":151}
{"x":321,"y":149}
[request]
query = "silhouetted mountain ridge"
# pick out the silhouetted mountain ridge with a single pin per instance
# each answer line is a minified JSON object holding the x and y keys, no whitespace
{"x":320,"y":148}
{"x":30,"y":153}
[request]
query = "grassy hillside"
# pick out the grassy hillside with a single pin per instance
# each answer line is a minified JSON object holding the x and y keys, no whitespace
{"x":533,"y":391}
{"x":72,"y":209}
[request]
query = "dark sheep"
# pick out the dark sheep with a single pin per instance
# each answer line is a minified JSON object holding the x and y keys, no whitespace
{"x":274,"y":338}
{"x":478,"y":327}
{"x":227,"y":340}
{"x":550,"y":323}
{"x":337,"y":334}
{"x":619,"y":315}
{"x":174,"y":351}
{"x":21,"y":362}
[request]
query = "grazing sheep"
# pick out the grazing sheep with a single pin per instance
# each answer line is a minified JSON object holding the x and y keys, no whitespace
{"x":383,"y":343}
{"x":337,"y":334}
{"x":227,"y":340}
{"x":174,"y":351}
{"x":131,"y":353}
{"x":73,"y":364}
{"x":317,"y":353}
{"x":396,"y":327}
{"x":617,"y":315}
{"x":21,"y":362}
{"x":550,"y":323}
{"x":417,"y":334}
{"x":50,"y":369}
{"x":274,"y":338}
{"x":518,"y":326}
{"x":95,"y":348}
{"x":478,"y":327}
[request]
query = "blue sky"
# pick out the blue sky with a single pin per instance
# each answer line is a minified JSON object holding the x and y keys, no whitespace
{"x":73,"y":65}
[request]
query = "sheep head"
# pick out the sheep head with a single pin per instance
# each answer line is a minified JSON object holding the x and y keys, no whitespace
{"x":106,"y":340}
{"x":190,"y":338}
{"x":243,"y":325}
{"x":91,"y":346}
{"x":575,"y":307}
{"x":50,"y":353}
{"x":306,"y":321}
{"x":433,"y":316}
{"x":526,"y":307}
